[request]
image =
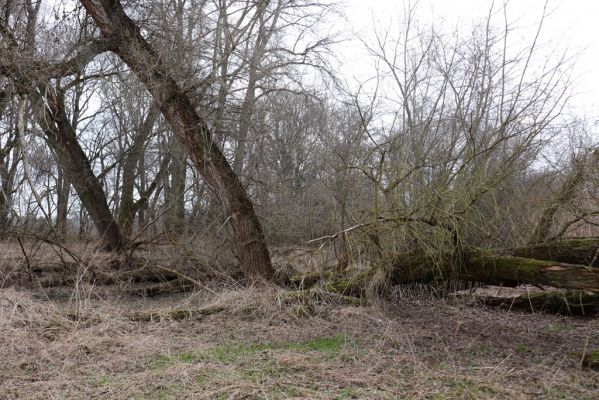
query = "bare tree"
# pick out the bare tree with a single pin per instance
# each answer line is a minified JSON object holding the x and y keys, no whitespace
{"x":464,"y":114}
{"x":48,"y":103}
{"x":191,"y":129}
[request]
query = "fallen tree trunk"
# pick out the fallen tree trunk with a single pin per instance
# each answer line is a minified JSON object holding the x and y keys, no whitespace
{"x":573,"y":251}
{"x":484,"y":266}
{"x":590,"y":359}
{"x":488,"y":267}
{"x":475,"y":265}
{"x":573,"y":302}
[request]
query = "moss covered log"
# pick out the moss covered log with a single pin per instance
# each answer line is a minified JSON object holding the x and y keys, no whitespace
{"x":572,"y":302}
{"x":572,"y":251}
{"x":485,"y":266}
{"x":474,"y":265}
{"x":591,"y":360}
{"x":494,"y":269}
{"x":302,"y":281}
{"x":588,"y":358}
{"x":491,"y":268}
{"x":419,"y":268}
{"x":353,"y":284}
{"x":349,"y":283}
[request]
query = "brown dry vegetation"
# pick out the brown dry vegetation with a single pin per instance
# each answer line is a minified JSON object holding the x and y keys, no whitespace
{"x":92,"y":341}
{"x":193,"y":137}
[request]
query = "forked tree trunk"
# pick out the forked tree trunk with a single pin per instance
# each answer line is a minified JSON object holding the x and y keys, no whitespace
{"x":191,"y":129}
{"x":263,"y":37}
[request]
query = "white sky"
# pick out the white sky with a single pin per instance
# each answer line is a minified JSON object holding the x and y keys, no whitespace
{"x":572,"y":24}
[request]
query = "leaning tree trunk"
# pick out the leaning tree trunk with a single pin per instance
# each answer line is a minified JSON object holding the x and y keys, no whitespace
{"x":62,"y":139}
{"x":59,"y":131}
{"x":191,"y":129}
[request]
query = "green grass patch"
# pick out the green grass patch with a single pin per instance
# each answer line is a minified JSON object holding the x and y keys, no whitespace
{"x":233,"y":352}
{"x":558,"y":394}
{"x":260,"y":353}
{"x":521,"y":348}
{"x":328,"y":344}
{"x":466,"y":389}
{"x":348,"y":393}
{"x":105,"y":380}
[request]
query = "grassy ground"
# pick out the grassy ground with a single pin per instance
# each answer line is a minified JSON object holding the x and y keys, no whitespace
{"x":267,"y":345}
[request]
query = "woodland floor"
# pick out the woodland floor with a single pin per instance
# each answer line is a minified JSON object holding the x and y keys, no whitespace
{"x":83,"y":343}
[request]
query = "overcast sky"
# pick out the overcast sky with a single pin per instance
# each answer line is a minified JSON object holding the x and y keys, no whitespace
{"x":571,"y":23}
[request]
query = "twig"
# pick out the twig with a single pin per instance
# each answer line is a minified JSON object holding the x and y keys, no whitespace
{"x":335,"y":235}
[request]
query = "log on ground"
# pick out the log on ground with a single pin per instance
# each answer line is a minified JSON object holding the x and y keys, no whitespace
{"x":485,"y":266}
{"x":574,"y":302}
{"x":584,"y":251}
{"x":478,"y":265}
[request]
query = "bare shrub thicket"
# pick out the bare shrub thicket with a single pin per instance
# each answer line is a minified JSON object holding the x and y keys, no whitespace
{"x":210,"y":110}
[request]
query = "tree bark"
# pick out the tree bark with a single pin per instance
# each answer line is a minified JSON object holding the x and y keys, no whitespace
{"x":8,"y":170}
{"x":191,"y":129}
{"x":62,"y":204}
{"x":175,"y":214}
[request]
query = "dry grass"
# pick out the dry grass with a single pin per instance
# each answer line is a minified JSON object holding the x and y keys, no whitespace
{"x":270,"y":345}
{"x":86,"y":341}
